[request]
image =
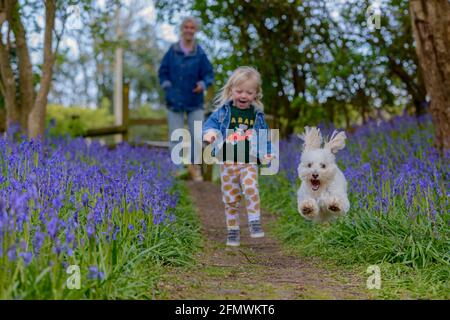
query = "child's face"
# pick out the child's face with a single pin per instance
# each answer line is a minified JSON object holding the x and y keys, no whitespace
{"x":244,"y":94}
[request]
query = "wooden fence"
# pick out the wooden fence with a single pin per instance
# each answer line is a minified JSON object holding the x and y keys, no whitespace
{"x":123,"y":129}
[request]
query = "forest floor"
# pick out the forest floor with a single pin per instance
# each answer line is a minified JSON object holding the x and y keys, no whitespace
{"x":259,"y":269}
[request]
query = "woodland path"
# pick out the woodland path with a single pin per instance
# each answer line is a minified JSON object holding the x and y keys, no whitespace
{"x":258,"y":269}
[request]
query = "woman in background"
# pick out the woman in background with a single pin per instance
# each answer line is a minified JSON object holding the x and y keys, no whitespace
{"x":185,"y":73}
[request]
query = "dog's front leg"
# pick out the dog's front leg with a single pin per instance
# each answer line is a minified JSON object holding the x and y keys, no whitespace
{"x":308,"y":208}
{"x":336,"y":204}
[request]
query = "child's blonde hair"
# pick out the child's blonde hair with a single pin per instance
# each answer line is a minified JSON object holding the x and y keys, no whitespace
{"x":239,"y":76}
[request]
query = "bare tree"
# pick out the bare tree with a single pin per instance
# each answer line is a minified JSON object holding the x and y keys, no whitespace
{"x":25,"y":104}
{"x":431,"y":27}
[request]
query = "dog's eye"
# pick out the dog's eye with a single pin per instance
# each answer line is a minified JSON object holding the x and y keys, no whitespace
{"x":309,"y":165}
{"x":323,"y":166}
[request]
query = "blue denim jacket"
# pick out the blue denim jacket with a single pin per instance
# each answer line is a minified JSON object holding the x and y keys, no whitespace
{"x":179,"y":75}
{"x":219,"y":121}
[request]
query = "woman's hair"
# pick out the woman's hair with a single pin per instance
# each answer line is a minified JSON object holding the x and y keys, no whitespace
{"x":239,"y":76}
{"x":190,"y":19}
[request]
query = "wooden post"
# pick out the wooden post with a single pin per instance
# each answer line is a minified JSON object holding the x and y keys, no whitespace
{"x":118,"y":77}
{"x":125,"y":110}
{"x":207,"y":171}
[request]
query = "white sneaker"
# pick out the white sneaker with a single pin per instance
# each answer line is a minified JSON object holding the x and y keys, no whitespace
{"x":233,"y":238}
{"x":256,"y":230}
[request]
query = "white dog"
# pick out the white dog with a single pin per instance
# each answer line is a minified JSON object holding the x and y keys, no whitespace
{"x":323,"y":192}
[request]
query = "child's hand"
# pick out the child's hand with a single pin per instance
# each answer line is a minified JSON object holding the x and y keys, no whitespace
{"x":267,"y":158}
{"x":198,"y":88}
{"x":210,"y":137}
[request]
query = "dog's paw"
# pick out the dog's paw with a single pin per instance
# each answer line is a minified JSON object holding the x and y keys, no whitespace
{"x":334,"y":204}
{"x":308,"y":208}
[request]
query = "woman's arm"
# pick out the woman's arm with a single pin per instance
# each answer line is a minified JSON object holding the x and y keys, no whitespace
{"x":206,"y":72}
{"x":164,"y":71}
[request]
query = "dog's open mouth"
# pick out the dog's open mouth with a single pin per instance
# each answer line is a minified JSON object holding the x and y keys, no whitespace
{"x":315,"y":184}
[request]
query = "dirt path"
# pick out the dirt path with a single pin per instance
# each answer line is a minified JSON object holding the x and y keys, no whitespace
{"x":258,"y":269}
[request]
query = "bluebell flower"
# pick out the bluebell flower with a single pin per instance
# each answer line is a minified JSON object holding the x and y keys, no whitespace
{"x":95,"y":273}
{"x":27,"y":257}
{"x":12,"y":253}
{"x":85,"y":199}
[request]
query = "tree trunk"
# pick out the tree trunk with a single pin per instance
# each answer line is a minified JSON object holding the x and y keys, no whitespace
{"x":2,"y":120}
{"x":346,"y":116}
{"x":420,"y":97}
{"x":23,"y":105}
{"x":26,"y":86}
{"x":36,"y":118}
{"x":361,"y":101}
{"x":431,"y":28}
{"x":7,"y":79}
{"x":9,"y":87}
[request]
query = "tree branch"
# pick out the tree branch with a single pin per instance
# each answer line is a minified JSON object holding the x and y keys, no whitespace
{"x":2,"y":87}
{"x":49,"y":55}
{"x":2,"y":16}
{"x":60,"y":35}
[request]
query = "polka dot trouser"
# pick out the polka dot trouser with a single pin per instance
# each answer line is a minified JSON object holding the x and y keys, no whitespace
{"x":237,"y":179}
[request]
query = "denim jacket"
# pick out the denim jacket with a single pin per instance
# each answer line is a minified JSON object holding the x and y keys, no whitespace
{"x":180,"y":73}
{"x":219,"y":121}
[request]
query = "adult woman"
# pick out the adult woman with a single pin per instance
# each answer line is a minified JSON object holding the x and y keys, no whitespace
{"x":185,"y":73}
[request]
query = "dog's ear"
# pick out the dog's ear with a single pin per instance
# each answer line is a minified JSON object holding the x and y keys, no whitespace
{"x":337,"y":141}
{"x":312,"y":138}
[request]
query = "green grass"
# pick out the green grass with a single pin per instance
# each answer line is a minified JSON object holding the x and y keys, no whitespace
{"x":414,"y":263}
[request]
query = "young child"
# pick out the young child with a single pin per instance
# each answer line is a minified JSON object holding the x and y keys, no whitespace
{"x":234,"y":127}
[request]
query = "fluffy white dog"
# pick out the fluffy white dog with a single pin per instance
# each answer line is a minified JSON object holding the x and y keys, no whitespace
{"x":323,"y":192}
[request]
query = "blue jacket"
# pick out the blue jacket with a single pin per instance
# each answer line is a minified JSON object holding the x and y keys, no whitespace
{"x":219,"y":121}
{"x":179,"y":75}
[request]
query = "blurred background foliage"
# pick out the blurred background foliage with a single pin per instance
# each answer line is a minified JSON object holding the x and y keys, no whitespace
{"x":75,"y":120}
{"x":319,"y":60}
